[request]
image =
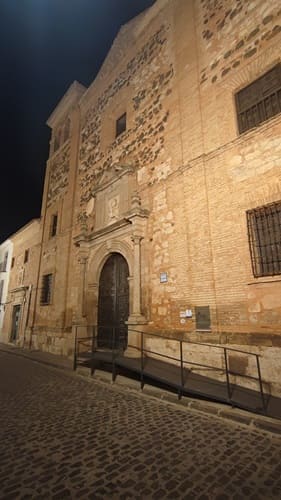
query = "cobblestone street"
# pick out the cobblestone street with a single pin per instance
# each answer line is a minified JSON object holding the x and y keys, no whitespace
{"x":65,"y":436}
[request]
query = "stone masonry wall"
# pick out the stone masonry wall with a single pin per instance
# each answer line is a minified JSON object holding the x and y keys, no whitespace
{"x":59,"y":169}
{"x":233,"y":32}
{"x":146,"y":81}
{"x":175,"y":74}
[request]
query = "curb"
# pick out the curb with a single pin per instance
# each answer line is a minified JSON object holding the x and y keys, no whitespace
{"x":253,"y":421}
{"x":28,"y":355}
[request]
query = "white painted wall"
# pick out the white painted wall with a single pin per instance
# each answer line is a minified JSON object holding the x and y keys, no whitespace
{"x":5,"y":247}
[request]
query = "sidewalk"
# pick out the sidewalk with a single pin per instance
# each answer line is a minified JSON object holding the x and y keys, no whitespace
{"x":45,"y":358}
{"x":236,"y":415}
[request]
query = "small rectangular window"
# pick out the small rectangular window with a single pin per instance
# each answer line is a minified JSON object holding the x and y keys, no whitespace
{"x":4,"y":268}
{"x":202,"y":318}
{"x":54,"y":225}
{"x":13,"y":262}
{"x":46,"y":291}
{"x":26,"y":256}
{"x":1,"y":290}
{"x":264,"y":234}
{"x":260,"y":100}
{"x":121,"y":124}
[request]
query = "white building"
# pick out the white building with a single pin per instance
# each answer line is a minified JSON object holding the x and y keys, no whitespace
{"x":6,"y":261}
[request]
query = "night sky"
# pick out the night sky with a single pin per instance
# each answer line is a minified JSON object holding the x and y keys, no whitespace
{"x":44,"y":46}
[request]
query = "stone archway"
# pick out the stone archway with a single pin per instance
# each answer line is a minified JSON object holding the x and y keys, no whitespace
{"x":113,"y":303}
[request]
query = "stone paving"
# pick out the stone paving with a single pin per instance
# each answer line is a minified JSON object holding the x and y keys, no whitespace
{"x":64,"y":436}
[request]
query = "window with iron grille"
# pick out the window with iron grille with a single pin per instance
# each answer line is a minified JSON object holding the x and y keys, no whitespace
{"x":54,"y":225}
{"x":264,"y":231}
{"x":121,"y":124}
{"x":260,"y":100}
{"x":46,"y":291}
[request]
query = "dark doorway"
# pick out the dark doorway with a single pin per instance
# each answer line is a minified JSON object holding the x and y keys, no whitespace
{"x":15,"y":323}
{"x":113,"y":305}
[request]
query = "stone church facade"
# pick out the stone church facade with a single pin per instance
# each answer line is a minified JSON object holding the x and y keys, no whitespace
{"x":162,"y":197}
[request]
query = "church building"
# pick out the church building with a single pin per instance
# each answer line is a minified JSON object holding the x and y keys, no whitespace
{"x":161,"y":209}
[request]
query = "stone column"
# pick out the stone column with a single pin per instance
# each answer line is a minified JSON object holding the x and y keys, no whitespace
{"x":137,"y":277}
{"x":136,"y":318}
{"x":80,"y":315}
{"x":79,"y":321}
{"x":83,"y":264}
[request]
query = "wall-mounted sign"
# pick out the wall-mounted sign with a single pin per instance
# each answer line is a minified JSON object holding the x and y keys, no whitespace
{"x":186,"y":314}
{"x":182,"y":321}
{"x":163,"y":277}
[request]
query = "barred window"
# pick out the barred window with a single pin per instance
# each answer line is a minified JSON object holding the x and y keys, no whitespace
{"x":46,"y":291}
{"x":121,"y":124}
{"x":264,"y":231}
{"x":260,"y":100}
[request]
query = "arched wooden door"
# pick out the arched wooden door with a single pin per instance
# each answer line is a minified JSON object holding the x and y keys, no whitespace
{"x":113,"y":303}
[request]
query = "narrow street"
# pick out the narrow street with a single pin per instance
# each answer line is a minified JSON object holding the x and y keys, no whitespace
{"x":64,"y":436}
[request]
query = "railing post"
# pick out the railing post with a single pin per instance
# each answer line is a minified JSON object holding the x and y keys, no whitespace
{"x":93,"y":339}
{"x":142,"y":361}
{"x":113,"y":338}
{"x":182,"y":376}
{"x":260,"y":382}
{"x":93,"y":349}
{"x":227,"y":374}
{"x":75,"y":348}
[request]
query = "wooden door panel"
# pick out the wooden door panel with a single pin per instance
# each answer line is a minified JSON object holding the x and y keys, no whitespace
{"x":113,"y":306}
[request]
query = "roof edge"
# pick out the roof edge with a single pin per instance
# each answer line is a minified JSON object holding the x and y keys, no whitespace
{"x":72,"y":95}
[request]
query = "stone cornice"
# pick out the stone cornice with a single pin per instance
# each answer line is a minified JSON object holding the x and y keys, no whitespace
{"x":86,"y":238}
{"x":72,"y":95}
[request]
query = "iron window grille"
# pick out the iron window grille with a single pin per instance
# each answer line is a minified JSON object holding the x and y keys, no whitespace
{"x":260,"y":100}
{"x":264,"y":233}
{"x":121,"y":124}
{"x":46,"y":291}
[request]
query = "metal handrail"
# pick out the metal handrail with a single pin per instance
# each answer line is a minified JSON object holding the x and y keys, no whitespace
{"x":180,"y":359}
{"x":152,"y":334}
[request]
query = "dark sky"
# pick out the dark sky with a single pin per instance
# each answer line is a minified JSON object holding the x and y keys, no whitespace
{"x":44,"y":46}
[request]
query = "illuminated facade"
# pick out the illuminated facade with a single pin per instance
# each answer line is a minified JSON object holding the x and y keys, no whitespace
{"x":162,"y":198}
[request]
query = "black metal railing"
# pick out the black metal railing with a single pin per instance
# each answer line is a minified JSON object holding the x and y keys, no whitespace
{"x":98,"y":338}
{"x":91,"y":344}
